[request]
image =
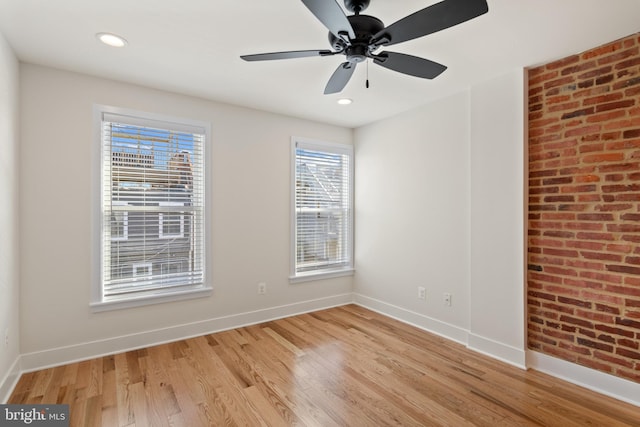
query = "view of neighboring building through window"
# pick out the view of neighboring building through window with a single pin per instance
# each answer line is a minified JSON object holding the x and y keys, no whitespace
{"x":152,"y":207}
{"x":323,"y":208}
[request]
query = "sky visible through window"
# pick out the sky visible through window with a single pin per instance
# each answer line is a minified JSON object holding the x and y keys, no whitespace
{"x":160,"y":144}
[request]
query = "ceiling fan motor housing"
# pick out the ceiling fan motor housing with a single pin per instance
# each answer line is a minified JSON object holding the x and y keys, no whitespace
{"x":364,"y":27}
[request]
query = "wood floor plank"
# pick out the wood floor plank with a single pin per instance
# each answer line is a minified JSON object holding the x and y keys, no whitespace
{"x":345,"y":366}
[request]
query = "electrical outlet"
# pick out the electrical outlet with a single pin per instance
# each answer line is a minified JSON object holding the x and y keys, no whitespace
{"x":422,"y":292}
{"x":262,"y":288}
{"x":447,"y":299}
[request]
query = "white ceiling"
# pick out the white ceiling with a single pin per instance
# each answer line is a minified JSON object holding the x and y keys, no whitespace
{"x":193,"y":47}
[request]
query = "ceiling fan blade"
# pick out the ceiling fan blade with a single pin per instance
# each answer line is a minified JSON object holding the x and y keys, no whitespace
{"x":340,"y":78}
{"x":431,"y":19}
{"x":286,"y":55}
{"x":409,"y":64}
{"x":332,"y":16}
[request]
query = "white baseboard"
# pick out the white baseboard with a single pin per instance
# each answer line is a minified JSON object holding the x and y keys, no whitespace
{"x":497,"y":350}
{"x":493,"y":349}
{"x":10,"y":380}
{"x":89,"y":350}
{"x":418,"y":320}
{"x":609,"y":385}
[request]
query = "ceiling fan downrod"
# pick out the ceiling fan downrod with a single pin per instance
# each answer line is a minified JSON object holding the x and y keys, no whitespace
{"x":356,"y":6}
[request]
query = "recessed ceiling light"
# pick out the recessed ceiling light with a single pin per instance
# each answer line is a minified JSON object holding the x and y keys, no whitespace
{"x":344,"y":101}
{"x":112,"y":40}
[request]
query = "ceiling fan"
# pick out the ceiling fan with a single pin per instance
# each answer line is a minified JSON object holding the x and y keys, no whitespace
{"x":359,"y":36}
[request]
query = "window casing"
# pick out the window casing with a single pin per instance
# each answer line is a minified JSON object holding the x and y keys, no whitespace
{"x":322,"y":209}
{"x":171,"y":224}
{"x":151,"y":220}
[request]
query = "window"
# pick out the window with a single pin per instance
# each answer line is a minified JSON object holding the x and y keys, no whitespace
{"x":322,"y":211}
{"x":171,"y":224}
{"x":151,"y":209}
{"x":119,"y":223}
{"x":142,"y":269}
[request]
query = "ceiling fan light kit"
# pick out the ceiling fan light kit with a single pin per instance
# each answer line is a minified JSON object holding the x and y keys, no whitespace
{"x":358,"y":37}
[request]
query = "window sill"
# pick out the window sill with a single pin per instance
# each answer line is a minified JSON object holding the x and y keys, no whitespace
{"x":142,"y":300}
{"x":311,"y":276}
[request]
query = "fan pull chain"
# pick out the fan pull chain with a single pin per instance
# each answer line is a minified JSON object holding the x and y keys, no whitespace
{"x":367,"y":82}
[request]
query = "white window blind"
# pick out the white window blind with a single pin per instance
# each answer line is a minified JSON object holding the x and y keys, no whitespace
{"x":152,"y":207}
{"x":323,"y":207}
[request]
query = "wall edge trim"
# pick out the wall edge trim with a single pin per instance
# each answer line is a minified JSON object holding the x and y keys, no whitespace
{"x":9,"y":382}
{"x":592,"y":379}
{"x":497,"y":350}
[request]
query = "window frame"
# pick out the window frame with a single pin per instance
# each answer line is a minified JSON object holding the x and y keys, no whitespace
{"x":125,"y":223}
{"x":161,"y":233}
{"x":98,"y":302}
{"x":319,"y":274}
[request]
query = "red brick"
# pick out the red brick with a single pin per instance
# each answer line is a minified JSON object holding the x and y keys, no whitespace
{"x":584,"y":188}
{"x":627,"y":83}
{"x":603,"y":277}
{"x":612,"y":359}
{"x":632,"y":303}
{"x":588,"y":265}
{"x":623,"y":290}
{"x":635,"y":133}
{"x":628,"y":63}
{"x":586,"y":130}
{"x":615,"y":105}
{"x":576,"y":321}
{"x":605,"y":117}
{"x":623,"y":228}
{"x":620,"y":188}
{"x":628,"y":353}
{"x":593,"y":364}
{"x":595,"y":73}
{"x":629,"y":375}
{"x":563,"y":107}
{"x":576,"y":68}
{"x":629,"y":343}
{"x":604,"y":157}
{"x":564,"y":62}
{"x":602,"y":50}
{"x":619,"y":56}
{"x":615,"y":330}
{"x":625,"y":249}
{"x":598,"y":296}
{"x":596,"y":345}
{"x":624,"y":269}
{"x":607,"y":309}
{"x":614,"y":207}
{"x":603,"y":98}
{"x":590,"y":226}
{"x":542,"y":78}
{"x":587,"y":178}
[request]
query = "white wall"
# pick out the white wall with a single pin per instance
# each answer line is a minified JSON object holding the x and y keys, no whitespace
{"x":9,"y":274}
{"x":412,"y":215}
{"x":250,"y":218}
{"x":497,"y":319}
{"x":440,"y":204}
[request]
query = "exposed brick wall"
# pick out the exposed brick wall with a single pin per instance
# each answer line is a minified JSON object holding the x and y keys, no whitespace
{"x":584,"y":208}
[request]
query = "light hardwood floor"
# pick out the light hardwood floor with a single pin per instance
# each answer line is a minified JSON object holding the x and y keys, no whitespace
{"x":344,"y":366}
